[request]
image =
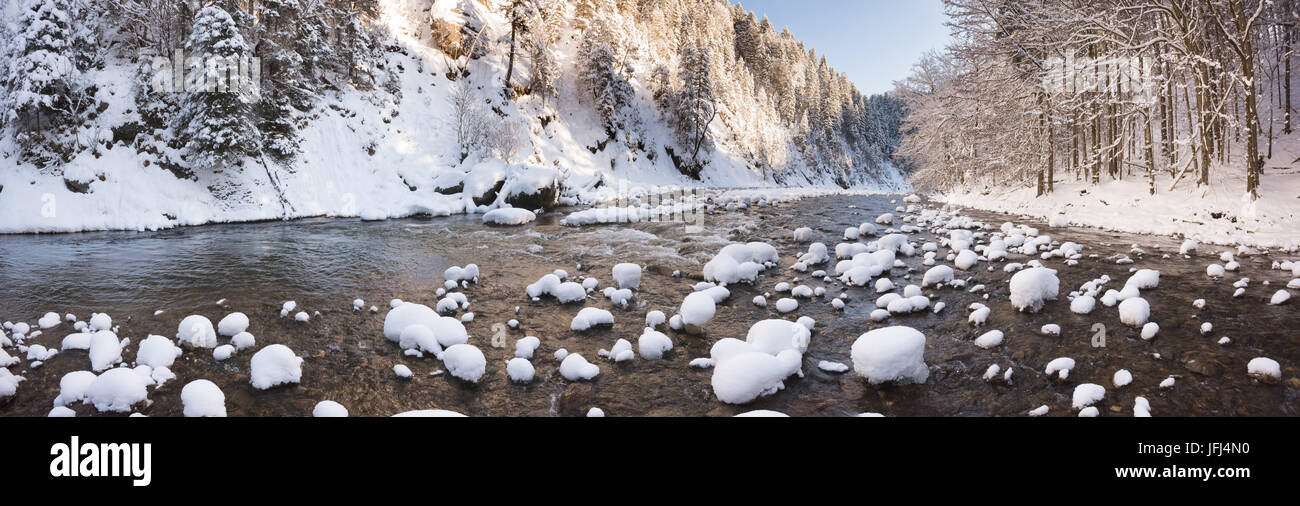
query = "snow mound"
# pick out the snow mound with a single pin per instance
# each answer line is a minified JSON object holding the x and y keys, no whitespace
{"x":105,"y":350}
{"x":197,"y":331}
{"x":891,"y":354}
{"x":590,"y":317}
{"x":1264,"y":368}
{"x":774,"y":336}
{"x":274,"y":365}
{"x":520,"y":370}
{"x":742,"y":373}
{"x":1134,"y":311}
{"x":508,"y":216}
{"x":232,"y":324}
{"x":203,"y":398}
{"x":329,"y":409}
{"x":627,"y":275}
{"x":465,"y":361}
{"x":117,"y":390}
{"x":575,"y":368}
{"x":652,"y":344}
{"x":1031,"y":288}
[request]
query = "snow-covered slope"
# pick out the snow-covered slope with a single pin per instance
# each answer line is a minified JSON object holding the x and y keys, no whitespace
{"x":379,"y":153}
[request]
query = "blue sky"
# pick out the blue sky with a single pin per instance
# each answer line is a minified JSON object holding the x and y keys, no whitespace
{"x":875,"y":42}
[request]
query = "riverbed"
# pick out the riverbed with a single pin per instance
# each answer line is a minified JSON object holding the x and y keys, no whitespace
{"x":324,"y":264}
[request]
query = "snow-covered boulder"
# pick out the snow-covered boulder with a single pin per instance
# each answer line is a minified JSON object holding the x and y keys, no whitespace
{"x":575,"y":368}
{"x":274,"y":365}
{"x":117,"y":390}
{"x":590,"y":317}
{"x":1031,"y":288}
{"x":465,"y":361}
{"x":203,"y":398}
{"x":508,"y":216}
{"x":891,"y":354}
{"x":1134,"y":311}
{"x":627,"y":275}
{"x":232,"y":324}
{"x":196,"y":330}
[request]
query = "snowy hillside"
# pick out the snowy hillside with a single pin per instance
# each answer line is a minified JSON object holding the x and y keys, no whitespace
{"x":420,"y":121}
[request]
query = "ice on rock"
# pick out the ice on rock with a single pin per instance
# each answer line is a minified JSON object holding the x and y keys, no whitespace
{"x":274,"y":365}
{"x":989,"y":339}
{"x":829,"y":366}
{"x":575,"y":368}
{"x":232,"y":324}
{"x":465,"y":361}
{"x":203,"y":398}
{"x":116,"y":390}
{"x":627,"y":275}
{"x":329,"y":409}
{"x":1134,"y":312}
{"x":197,"y":331}
{"x":1086,"y":394}
{"x":520,"y":370}
{"x":653,"y":344}
{"x":1031,"y":288}
{"x":891,"y":354}
{"x":590,"y":317}
{"x":1264,"y":368}
{"x":105,"y":350}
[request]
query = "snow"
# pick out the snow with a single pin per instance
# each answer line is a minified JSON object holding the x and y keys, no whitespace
{"x":1086,"y":394}
{"x":301,"y":316}
{"x":1134,"y":311}
{"x":773,"y":336}
{"x":509,"y":216}
{"x":117,"y":390}
{"x":1188,"y":247}
{"x":465,"y":361}
{"x":1122,"y":377}
{"x":329,"y":409}
{"x":429,"y":413}
{"x":197,"y":331}
{"x":937,"y":274}
{"x":655,"y":318}
{"x":829,"y":366}
{"x":223,"y":352}
{"x":203,"y":398}
{"x":1051,"y":329}
{"x":98,"y":321}
{"x":447,"y":331}
{"x":61,"y":412}
{"x":1141,"y":407}
{"x":1143,"y":279}
{"x":526,"y":346}
{"x":563,"y":291}
{"x":966,"y":259}
{"x":1059,"y":367}
{"x":9,"y":383}
{"x":274,"y":365}
{"x":1264,"y":367}
{"x":652,"y":344}
{"x":697,"y":309}
{"x":232,"y":324}
{"x":520,"y":370}
{"x":590,"y":317}
{"x":575,"y":368}
{"x":402,"y":371}
{"x":457,"y":274}
{"x":1031,"y":288}
{"x":243,"y":341}
{"x":1279,"y":297}
{"x":891,"y":354}
{"x":742,"y":373}
{"x":105,"y":350}
{"x":1083,"y":304}
{"x":1149,"y":330}
{"x":1214,"y":271}
{"x":786,"y":305}
{"x":627,"y":275}
{"x":1039,"y":411}
{"x":1167,"y":382}
{"x":989,"y":339}
{"x":1089,"y":412}
{"x":49,"y":320}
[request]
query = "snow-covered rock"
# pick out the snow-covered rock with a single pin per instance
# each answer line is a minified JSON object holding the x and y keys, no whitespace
{"x":520,"y":370}
{"x":509,"y":216}
{"x":575,"y":368}
{"x":197,"y":331}
{"x":1134,"y":312}
{"x":627,"y":275}
{"x":1086,"y":394}
{"x":590,"y":317}
{"x":1031,"y":288}
{"x":232,"y":324}
{"x":117,"y":390}
{"x":652,"y":344}
{"x":465,"y":361}
{"x":203,"y":398}
{"x":274,"y":365}
{"x":1264,"y":368}
{"x":329,"y":409}
{"x":891,"y":354}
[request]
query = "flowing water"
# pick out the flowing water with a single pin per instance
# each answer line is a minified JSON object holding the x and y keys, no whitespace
{"x":323,"y":264}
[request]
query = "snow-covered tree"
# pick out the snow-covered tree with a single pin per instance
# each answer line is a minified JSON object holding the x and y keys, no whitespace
{"x":218,"y":125}
{"x":696,"y":104}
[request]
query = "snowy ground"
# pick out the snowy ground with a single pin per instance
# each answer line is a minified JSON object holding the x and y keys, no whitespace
{"x":1218,"y":214}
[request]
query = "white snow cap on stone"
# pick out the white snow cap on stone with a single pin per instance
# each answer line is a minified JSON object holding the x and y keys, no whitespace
{"x":891,"y":354}
{"x":197,"y":331}
{"x":274,"y":365}
{"x":203,"y":398}
{"x":1031,"y":288}
{"x":232,"y":324}
{"x":465,"y":361}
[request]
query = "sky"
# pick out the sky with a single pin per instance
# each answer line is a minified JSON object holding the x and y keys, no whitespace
{"x":875,"y":42}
